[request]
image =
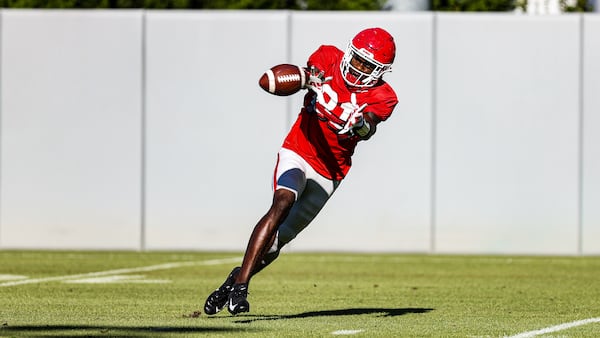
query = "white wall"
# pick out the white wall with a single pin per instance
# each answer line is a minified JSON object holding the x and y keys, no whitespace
{"x":507,"y":134}
{"x":591,"y":136}
{"x":146,"y":129}
{"x":213,"y":134}
{"x":71,"y":131}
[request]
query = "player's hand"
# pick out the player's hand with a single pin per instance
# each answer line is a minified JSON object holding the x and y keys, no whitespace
{"x":356,"y":119}
{"x":316,"y":79}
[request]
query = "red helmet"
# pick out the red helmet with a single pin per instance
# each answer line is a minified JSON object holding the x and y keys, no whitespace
{"x":375,"y":49}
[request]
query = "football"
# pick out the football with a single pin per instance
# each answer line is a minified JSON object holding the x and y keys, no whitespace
{"x":283,"y":79}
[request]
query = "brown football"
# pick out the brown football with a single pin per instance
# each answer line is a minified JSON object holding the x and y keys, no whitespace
{"x":283,"y":79}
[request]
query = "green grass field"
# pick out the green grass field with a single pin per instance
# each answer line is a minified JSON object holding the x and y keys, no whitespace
{"x":161,"y":294}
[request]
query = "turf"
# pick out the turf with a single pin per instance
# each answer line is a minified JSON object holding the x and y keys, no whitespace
{"x":300,"y":295}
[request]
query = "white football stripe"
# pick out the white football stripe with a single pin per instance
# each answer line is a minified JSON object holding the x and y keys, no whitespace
{"x":288,"y":78}
{"x":164,"y":266}
{"x":271,"y":77}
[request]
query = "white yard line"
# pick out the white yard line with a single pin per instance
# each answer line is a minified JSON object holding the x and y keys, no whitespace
{"x":555,"y":328}
{"x":164,"y":266}
{"x":118,"y":279}
{"x":345,"y":332}
{"x":11,"y":277}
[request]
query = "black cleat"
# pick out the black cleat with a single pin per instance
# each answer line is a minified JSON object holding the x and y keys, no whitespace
{"x":237,"y":302}
{"x":218,"y":299}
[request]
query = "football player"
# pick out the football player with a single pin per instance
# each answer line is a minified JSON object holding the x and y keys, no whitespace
{"x":346,"y":100}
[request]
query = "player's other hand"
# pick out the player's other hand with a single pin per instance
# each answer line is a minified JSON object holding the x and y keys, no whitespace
{"x":315,"y":78}
{"x":356,"y":119}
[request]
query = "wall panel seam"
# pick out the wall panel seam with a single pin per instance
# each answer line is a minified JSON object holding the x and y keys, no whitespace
{"x":581,"y":134}
{"x":433,"y":191}
{"x":143,"y":149}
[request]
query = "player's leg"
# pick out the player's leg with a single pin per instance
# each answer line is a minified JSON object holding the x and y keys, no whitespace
{"x":301,"y":214}
{"x":303,"y":211}
{"x":265,"y":232}
{"x":261,"y":240}
{"x":289,"y":182}
{"x":292,"y":181}
{"x":310,"y":203}
{"x":291,"y":213}
{"x":311,"y":197}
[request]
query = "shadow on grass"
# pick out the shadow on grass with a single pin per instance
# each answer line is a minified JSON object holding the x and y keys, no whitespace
{"x":97,"y":331}
{"x":381,"y":312}
{"x":94,"y":331}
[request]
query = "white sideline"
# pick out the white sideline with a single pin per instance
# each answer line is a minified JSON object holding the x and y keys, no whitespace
{"x":164,"y":266}
{"x":555,"y":328}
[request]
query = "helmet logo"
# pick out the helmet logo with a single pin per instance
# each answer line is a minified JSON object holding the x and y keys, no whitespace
{"x":366,"y":53}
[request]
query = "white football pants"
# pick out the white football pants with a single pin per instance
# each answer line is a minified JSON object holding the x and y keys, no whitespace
{"x":312,"y":191}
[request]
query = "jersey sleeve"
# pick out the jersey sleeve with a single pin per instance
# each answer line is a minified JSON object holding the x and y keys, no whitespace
{"x":324,"y":58}
{"x":384,"y":100}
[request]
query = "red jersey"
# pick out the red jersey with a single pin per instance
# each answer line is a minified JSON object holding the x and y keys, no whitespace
{"x":314,"y":135}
